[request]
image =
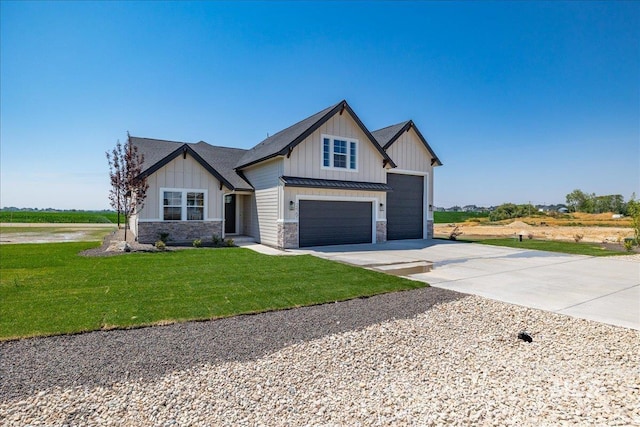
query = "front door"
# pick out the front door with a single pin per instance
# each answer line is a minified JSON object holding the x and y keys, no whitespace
{"x":230,"y":214}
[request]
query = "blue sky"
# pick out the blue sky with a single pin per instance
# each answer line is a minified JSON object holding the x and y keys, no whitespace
{"x":521,"y":101}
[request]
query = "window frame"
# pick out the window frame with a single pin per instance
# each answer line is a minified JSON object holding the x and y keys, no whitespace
{"x":352,"y":153}
{"x":184,"y":204}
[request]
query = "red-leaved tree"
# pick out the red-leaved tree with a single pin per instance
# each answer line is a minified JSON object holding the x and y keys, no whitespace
{"x":128,"y":185}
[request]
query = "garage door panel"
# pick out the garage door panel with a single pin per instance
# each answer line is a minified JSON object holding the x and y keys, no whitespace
{"x":334,"y":222}
{"x":405,"y":205}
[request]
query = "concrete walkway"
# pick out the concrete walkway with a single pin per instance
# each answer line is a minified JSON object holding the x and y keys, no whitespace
{"x":604,"y":289}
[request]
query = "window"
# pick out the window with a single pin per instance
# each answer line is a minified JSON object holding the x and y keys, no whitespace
{"x":183,"y":205}
{"x":172,"y":205}
{"x":195,"y":206}
{"x":339,"y":153}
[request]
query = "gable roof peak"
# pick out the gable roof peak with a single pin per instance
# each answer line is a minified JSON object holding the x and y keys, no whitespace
{"x":390,"y":134}
{"x":282,"y":142}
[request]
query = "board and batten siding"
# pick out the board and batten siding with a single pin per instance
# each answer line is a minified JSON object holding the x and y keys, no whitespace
{"x":181,"y":173}
{"x":409,"y":154}
{"x":265,"y":178}
{"x":306,"y":158}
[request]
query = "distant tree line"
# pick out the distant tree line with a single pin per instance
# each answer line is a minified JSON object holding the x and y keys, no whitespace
{"x":579,"y":201}
{"x":511,"y":210}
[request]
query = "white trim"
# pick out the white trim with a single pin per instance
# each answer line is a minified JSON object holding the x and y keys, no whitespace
{"x":375,"y":202}
{"x":184,"y":191}
{"x":407,"y":172}
{"x":287,"y":221}
{"x":332,"y":138}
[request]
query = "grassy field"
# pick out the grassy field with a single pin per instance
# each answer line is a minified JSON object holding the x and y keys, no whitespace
{"x":591,"y":249}
{"x":79,"y":217}
{"x":48,"y":289}
{"x":452,"y":217}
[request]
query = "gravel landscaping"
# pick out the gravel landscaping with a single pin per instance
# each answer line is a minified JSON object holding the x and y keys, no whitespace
{"x":423,"y":357}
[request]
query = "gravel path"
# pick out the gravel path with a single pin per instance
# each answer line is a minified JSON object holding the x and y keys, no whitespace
{"x":456,"y":362}
{"x":106,"y":357}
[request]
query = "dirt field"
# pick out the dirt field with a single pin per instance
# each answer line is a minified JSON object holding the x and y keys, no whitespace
{"x":547,"y":232}
{"x":52,"y":233}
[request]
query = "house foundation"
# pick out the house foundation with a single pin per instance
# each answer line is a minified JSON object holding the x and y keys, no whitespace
{"x":178,"y":231}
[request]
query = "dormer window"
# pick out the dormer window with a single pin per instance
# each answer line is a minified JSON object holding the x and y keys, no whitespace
{"x":339,"y":153}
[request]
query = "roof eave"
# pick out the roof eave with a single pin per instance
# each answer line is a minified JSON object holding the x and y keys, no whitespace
{"x":339,"y":107}
{"x":183,"y":149}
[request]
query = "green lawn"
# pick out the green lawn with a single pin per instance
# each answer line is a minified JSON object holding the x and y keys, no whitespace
{"x":47,"y":289}
{"x":592,"y":249}
{"x":59,"y":217}
{"x":451,"y":217}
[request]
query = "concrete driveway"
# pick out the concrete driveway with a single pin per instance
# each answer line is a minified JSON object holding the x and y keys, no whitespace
{"x":604,"y":289}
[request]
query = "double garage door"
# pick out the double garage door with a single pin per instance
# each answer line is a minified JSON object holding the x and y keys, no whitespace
{"x":323,"y":222}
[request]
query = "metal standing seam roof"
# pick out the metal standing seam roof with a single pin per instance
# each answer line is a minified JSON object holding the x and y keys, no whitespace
{"x":282,"y":142}
{"x":388,"y":135}
{"x":293,"y":181}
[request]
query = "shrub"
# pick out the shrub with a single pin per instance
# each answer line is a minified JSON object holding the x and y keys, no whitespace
{"x":578,"y":237}
{"x":628,"y":244}
{"x":530,"y":236}
{"x":229,"y":242}
{"x":160,"y":245}
{"x":455,"y":233}
{"x":197,"y":243}
{"x":164,"y":237}
{"x":216,"y":240}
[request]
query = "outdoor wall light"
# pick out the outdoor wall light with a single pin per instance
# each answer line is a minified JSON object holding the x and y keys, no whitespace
{"x":292,"y":205}
{"x":381,"y":207}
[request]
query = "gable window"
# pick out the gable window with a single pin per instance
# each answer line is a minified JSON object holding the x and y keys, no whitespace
{"x":183,"y":205}
{"x":339,"y":153}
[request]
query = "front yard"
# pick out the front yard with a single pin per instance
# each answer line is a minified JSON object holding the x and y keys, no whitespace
{"x":48,"y":289}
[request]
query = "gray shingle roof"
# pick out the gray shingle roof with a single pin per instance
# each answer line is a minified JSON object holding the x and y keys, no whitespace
{"x":388,"y":135}
{"x":220,"y":161}
{"x":384,"y":135}
{"x":293,"y":181}
{"x":280,"y":143}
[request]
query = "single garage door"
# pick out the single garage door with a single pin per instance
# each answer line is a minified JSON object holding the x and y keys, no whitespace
{"x":405,"y":206}
{"x":334,"y":222}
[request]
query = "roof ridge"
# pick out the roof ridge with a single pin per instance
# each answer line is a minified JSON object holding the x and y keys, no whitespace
{"x":393,"y":125}
{"x":157,"y":139}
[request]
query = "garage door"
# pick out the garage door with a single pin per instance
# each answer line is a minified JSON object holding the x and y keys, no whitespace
{"x":334,"y":223}
{"x":405,"y":206}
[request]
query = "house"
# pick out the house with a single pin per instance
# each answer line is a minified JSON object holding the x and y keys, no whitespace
{"x":324,"y":180}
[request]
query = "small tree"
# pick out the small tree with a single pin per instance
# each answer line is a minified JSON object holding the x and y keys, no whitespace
{"x":633,"y":210}
{"x":128,"y":185}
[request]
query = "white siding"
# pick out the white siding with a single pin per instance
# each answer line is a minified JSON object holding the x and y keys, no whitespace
{"x":250,"y":217}
{"x":306,"y":157}
{"x":409,"y":153}
{"x":265,"y":178}
{"x":182,"y":173}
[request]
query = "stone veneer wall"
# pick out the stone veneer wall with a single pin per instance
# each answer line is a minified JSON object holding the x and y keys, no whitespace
{"x":179,"y":231}
{"x":288,"y":235}
{"x":430,"y":229}
{"x":381,"y":231}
